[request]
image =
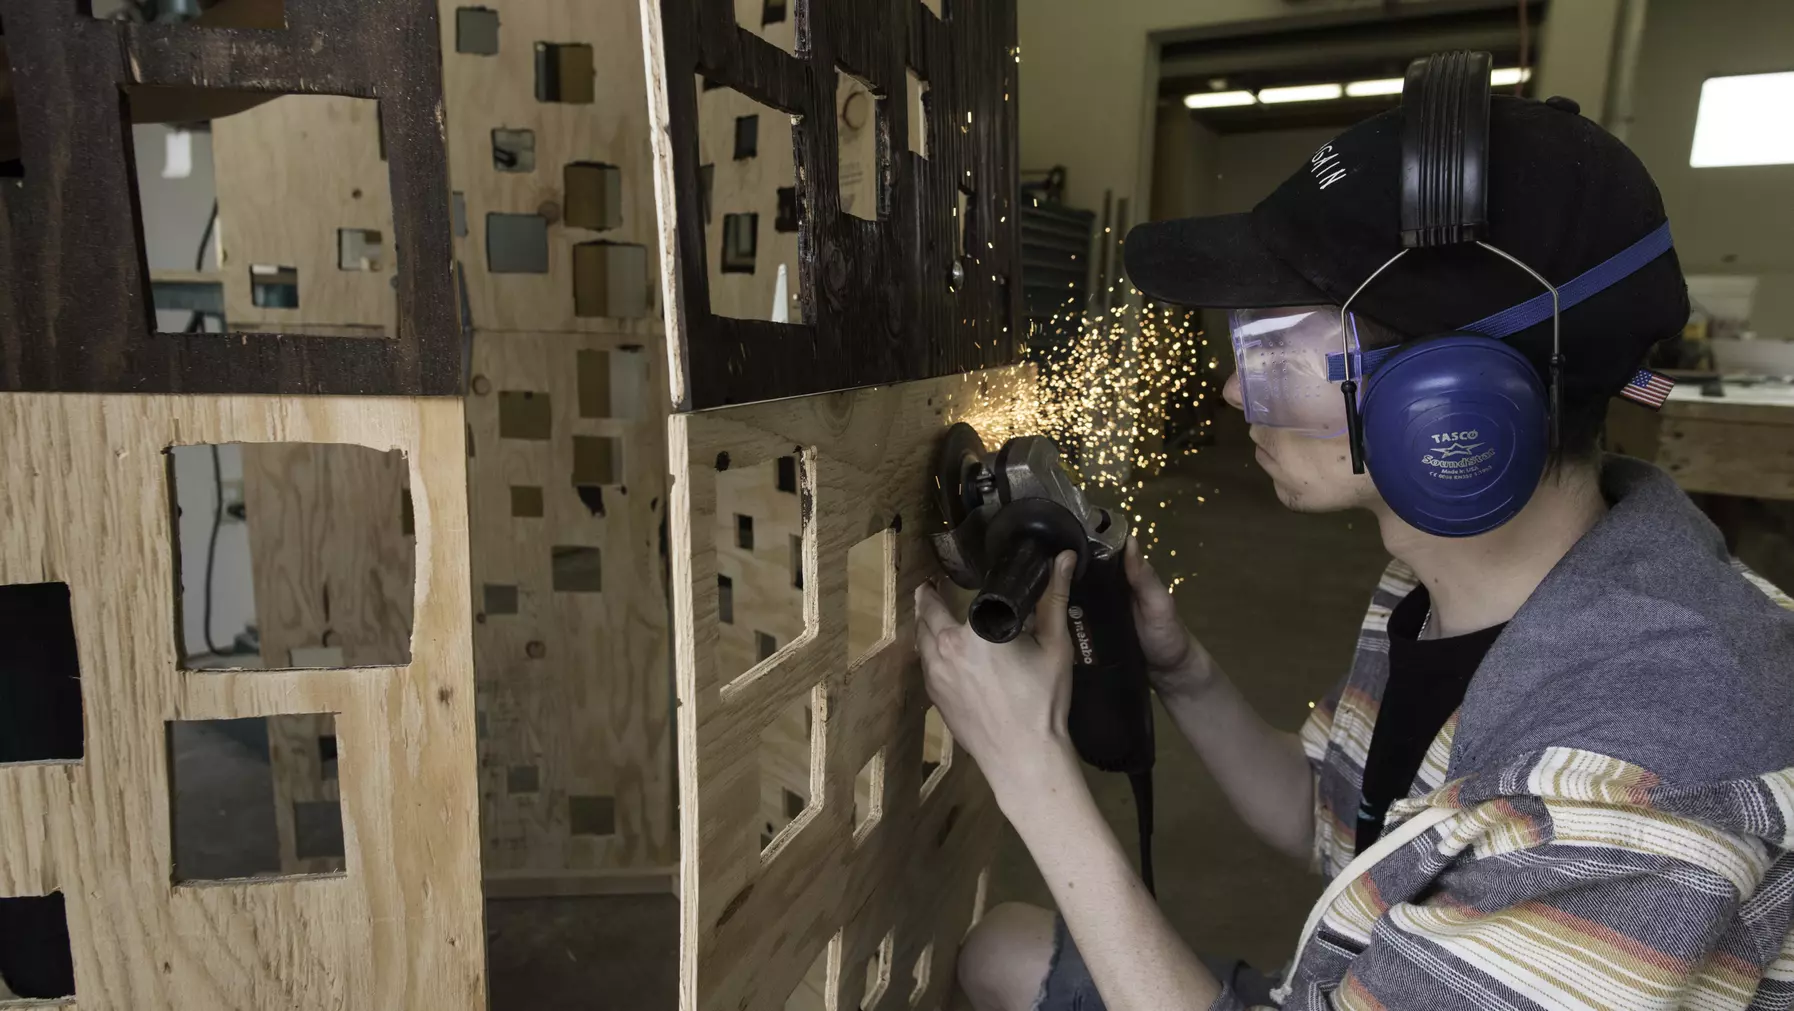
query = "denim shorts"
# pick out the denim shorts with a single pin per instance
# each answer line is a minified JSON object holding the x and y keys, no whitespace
{"x":1068,"y":986}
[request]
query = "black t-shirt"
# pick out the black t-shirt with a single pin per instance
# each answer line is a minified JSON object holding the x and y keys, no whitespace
{"x":1427,"y":681}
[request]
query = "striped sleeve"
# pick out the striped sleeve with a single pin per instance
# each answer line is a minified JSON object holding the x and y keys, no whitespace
{"x":1554,"y":904}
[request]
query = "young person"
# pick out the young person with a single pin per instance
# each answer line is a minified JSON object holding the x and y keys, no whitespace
{"x":1588,"y":705}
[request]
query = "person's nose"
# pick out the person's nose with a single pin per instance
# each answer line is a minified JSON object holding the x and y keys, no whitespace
{"x":1230,"y":391}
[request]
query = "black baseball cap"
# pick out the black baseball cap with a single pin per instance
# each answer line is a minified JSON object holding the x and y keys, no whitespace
{"x":1564,"y":195}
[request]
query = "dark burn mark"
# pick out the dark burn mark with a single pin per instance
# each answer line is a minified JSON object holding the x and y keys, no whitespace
{"x":734,"y":905}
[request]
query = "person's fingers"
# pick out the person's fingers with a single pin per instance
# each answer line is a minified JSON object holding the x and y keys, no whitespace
{"x":931,"y":610}
{"x":1140,"y":573}
{"x":1049,"y":614}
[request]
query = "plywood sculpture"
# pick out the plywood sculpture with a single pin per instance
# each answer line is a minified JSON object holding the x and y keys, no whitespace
{"x":552,"y":211}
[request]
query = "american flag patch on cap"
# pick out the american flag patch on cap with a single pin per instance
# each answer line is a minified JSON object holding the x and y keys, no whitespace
{"x":1648,"y":388}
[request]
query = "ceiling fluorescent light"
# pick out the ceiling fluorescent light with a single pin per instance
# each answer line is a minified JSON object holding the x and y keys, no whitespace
{"x":1217,"y":99}
{"x":1382,"y":86}
{"x":1507,"y":77}
{"x":1744,"y":120}
{"x":1300,"y":93}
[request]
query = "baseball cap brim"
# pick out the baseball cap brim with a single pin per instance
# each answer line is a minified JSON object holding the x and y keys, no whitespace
{"x":1215,"y":262}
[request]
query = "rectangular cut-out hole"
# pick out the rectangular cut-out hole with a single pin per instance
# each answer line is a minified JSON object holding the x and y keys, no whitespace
{"x":514,"y":150}
{"x":291,"y":555}
{"x":787,"y":479}
{"x":229,"y":781}
{"x":787,"y":219}
{"x":772,"y":12}
{"x":744,"y":532}
{"x":34,"y":949}
{"x":725,"y":600}
{"x":878,"y":972}
{"x":741,"y":243}
{"x":516,"y":243}
{"x":523,"y":779}
{"x":765,"y":645}
{"x":766,"y":607}
{"x":327,"y":755}
{"x":524,"y":414}
{"x":564,"y":72}
{"x":272,"y":286}
{"x":360,"y":249}
{"x":526,"y":501}
{"x":918,"y":112}
{"x":631,"y":387}
{"x":610,"y":279}
{"x":869,"y":794}
{"x":750,"y":247}
{"x":790,"y":763}
{"x":317,"y":829}
{"x":577,"y":569}
{"x":797,"y":562}
{"x":772,"y":20}
{"x":499,"y":598}
{"x":919,"y":974}
{"x":937,"y":750}
{"x":593,"y":371}
{"x":594,"y":194}
{"x":458,"y":212}
{"x":871,"y":592}
{"x":40,"y":675}
{"x":815,"y":991}
{"x":476,"y":31}
{"x":860,"y":150}
{"x":597,"y":460}
{"x":593,"y":815}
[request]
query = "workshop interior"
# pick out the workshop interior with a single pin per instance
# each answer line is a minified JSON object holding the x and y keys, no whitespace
{"x":443,"y":565}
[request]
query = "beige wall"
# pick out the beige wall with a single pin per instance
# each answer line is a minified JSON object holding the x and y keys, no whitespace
{"x":1089,"y":76}
{"x":1726,"y":220}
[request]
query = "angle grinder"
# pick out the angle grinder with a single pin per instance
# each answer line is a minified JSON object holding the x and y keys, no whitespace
{"x":1007,"y":516}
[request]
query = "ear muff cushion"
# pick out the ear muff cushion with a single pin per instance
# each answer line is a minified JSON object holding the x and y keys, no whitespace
{"x":1456,"y":433}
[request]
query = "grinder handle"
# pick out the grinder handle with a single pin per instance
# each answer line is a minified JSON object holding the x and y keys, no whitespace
{"x":1111,"y":699}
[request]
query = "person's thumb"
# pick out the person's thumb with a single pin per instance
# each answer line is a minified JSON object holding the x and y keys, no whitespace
{"x":1049,"y":614}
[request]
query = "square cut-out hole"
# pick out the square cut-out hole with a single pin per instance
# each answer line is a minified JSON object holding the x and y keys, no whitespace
{"x":297,"y":240}
{"x":526,"y":501}
{"x":862,"y":150}
{"x":360,"y":249}
{"x":292,"y":555}
{"x":871,"y":595}
{"x":577,"y":569}
{"x":610,"y":279}
{"x":594,"y":193}
{"x":790,"y":761}
{"x":815,"y":991}
{"x":937,"y":750}
{"x":878,"y":972}
{"x":597,"y":460}
{"x":869,"y":794}
{"x":593,"y":815}
{"x":36,"y":962}
{"x":919,"y":974}
{"x":741,"y":243}
{"x":749,"y":151}
{"x":476,"y":31}
{"x":918,"y":112}
{"x":248,"y":798}
{"x":564,"y":72}
{"x":516,"y":243}
{"x":272,"y":286}
{"x":499,"y":598}
{"x":40,"y":675}
{"x":764,"y":607}
{"x":524,"y":414}
{"x":772,"y":12}
{"x":523,"y":779}
{"x":514,"y":150}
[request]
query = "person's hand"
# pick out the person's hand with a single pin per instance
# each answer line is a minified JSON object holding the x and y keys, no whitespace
{"x":1005,"y":703}
{"x":1175,"y":661}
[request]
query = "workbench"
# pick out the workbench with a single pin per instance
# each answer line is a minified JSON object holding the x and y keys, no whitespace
{"x":1741,"y":443}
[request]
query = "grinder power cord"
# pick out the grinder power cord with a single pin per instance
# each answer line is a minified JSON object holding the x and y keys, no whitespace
{"x":1008,"y":515}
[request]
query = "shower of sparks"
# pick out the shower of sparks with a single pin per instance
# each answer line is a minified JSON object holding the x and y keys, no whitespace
{"x":1108,"y":384}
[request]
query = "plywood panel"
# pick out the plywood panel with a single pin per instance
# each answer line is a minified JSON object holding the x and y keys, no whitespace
{"x":575,"y":699}
{"x":755,"y":923}
{"x":487,"y":92}
{"x":85,"y":500}
{"x":1745,"y":450}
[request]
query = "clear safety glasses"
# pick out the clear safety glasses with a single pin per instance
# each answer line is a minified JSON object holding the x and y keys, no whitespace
{"x":1281,"y":358}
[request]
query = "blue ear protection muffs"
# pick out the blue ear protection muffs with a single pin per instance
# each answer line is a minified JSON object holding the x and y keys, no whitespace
{"x":1456,"y":428}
